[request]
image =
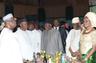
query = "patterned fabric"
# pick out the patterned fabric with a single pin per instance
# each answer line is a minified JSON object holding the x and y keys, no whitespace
{"x":87,"y":41}
{"x":92,"y":58}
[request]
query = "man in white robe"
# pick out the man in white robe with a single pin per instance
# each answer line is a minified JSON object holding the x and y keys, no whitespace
{"x":35,"y":36}
{"x":24,"y":40}
{"x":73,"y":38}
{"x":9,"y":47}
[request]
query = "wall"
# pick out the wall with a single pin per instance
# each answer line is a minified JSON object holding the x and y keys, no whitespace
{"x":81,"y":10}
{"x":59,"y":11}
{"x":1,"y":9}
{"x":55,"y":11}
{"x":51,"y":11}
{"x":22,"y":10}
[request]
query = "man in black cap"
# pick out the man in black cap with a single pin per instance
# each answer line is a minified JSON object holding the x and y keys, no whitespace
{"x":24,"y":39}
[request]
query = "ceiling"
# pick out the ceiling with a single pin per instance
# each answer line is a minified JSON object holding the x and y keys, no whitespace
{"x":44,"y":2}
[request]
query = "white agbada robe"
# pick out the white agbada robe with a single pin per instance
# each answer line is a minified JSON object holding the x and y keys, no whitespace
{"x":35,"y":36}
{"x":9,"y":48}
{"x":24,"y":42}
{"x":72,"y":41}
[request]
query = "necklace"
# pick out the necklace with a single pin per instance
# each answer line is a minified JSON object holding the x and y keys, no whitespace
{"x":88,"y":31}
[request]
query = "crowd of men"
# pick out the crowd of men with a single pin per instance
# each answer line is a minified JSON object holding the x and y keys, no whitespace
{"x":28,"y":38}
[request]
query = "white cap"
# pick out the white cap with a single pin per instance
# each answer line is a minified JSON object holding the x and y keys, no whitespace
{"x":7,"y":17}
{"x":92,"y":17}
{"x":75,"y":20}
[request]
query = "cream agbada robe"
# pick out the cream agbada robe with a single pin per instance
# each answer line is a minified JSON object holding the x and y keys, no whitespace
{"x":25,"y":44}
{"x":9,"y":48}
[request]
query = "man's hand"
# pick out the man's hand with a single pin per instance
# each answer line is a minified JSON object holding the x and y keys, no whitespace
{"x":73,"y":54}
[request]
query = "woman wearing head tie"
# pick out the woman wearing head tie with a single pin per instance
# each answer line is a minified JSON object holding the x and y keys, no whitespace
{"x":88,"y":39}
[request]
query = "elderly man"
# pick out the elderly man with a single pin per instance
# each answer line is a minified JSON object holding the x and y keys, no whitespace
{"x":9,"y":47}
{"x":73,"y":38}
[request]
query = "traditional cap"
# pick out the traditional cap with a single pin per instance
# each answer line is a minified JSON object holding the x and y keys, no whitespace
{"x":92,"y":17}
{"x":75,"y":20}
{"x":7,"y":17}
{"x":22,"y":20}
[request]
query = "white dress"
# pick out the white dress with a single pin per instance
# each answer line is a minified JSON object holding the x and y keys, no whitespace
{"x":9,"y":48}
{"x":72,"y":41}
{"x":35,"y":36}
{"x":24,"y":42}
